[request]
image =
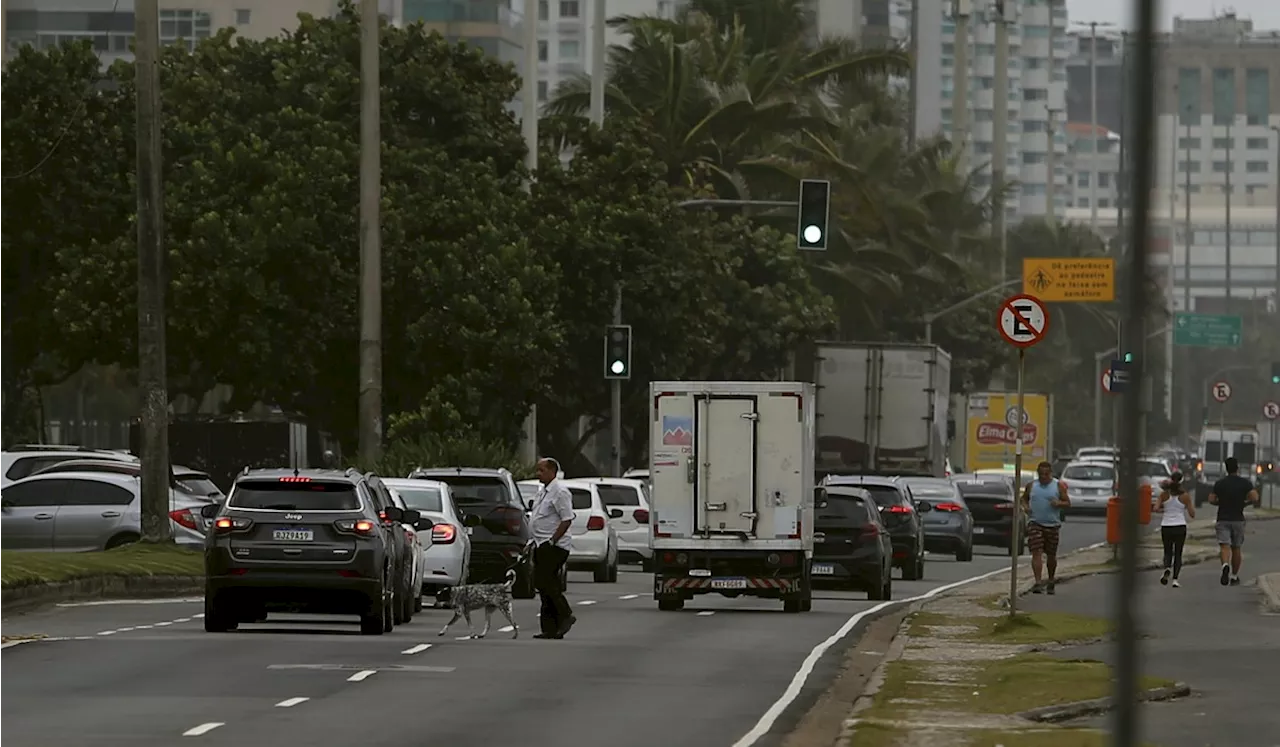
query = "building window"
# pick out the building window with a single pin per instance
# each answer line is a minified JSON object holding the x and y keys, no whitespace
{"x":1082,"y":202}
{"x":1224,"y":95}
{"x":542,"y":90}
{"x":568,"y":8}
{"x":665,"y":9}
{"x":1256,"y":167}
{"x":570,"y":49}
{"x":1189,"y":143}
{"x":1220,"y":167}
{"x":1104,"y":180}
{"x":1189,"y":94}
{"x":544,"y":11}
{"x":187,"y":27}
{"x":1082,"y":179}
{"x":242,"y":16}
{"x":1222,"y":143}
{"x":1257,"y":95}
{"x":1256,"y":143}
{"x":1104,"y":203}
{"x":1192,"y":166}
{"x":1035,"y":32}
{"x":1035,"y":94}
{"x":542,"y":50}
{"x":1031,"y":158}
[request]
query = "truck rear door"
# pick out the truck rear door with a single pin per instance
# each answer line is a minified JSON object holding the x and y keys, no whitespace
{"x":725,"y":429}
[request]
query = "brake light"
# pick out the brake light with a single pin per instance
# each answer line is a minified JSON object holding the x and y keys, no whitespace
{"x":595,"y":523}
{"x":1199,"y":466}
{"x":949,"y":507}
{"x":1004,"y":506}
{"x":870,"y":530}
{"x":295,"y":479}
{"x":362,"y":527}
{"x":899,"y":509}
{"x":231,"y":524}
{"x":184,"y":518}
{"x":641,"y":516}
{"x":443,"y":534}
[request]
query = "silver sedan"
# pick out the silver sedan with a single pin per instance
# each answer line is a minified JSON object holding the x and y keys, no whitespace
{"x":447,"y":560}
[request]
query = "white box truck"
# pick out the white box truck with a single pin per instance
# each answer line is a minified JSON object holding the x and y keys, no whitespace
{"x":732,"y":484}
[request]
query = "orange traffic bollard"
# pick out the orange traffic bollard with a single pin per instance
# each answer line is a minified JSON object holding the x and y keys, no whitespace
{"x":1144,"y":504}
{"x":1113,"y":521}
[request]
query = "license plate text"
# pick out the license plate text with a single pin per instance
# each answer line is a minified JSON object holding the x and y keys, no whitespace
{"x":293,"y":535}
{"x":728,"y":583}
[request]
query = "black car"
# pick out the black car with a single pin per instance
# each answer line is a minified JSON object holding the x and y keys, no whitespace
{"x":899,"y":514}
{"x":851,"y":547}
{"x":990,"y":500}
{"x":408,"y":596}
{"x":314,"y":542}
{"x":503,"y":533}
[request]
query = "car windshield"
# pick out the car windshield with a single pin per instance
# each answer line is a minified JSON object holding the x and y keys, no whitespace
{"x":476,"y":491}
{"x":939,"y":489}
{"x":294,"y":496}
{"x":618,"y":495}
{"x":197,"y":484}
{"x":424,"y":498}
{"x":883,"y":495}
{"x":843,"y":508}
{"x":581,"y":498}
{"x":980,"y":489}
{"x":1213,"y":451}
{"x":1090,"y":472}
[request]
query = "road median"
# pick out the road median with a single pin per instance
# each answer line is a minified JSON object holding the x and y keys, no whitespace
{"x":34,"y":579}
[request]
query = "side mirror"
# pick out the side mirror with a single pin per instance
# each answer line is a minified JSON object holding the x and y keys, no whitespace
{"x":471,"y":520}
{"x":924,"y":508}
{"x":410,"y":516}
{"x":528,"y":505}
{"x":392,"y":513}
{"x":615,"y":513}
{"x":209,"y":510}
{"x":423,"y":524}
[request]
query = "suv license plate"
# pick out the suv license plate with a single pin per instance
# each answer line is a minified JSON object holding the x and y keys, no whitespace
{"x":728,"y":583}
{"x":823,"y":569}
{"x":293,"y":535}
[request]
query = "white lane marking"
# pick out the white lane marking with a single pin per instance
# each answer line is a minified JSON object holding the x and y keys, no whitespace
{"x":203,"y":729}
{"x":417,"y":649}
{"x":291,"y":702}
{"x":197,"y":617}
{"x":144,"y":627}
{"x":506,"y":629}
{"x":362,"y":675}
{"x":104,"y":602}
{"x":705,"y":613}
{"x":164,"y":623}
{"x":585,"y":602}
{"x":789,"y":695}
{"x":183,"y":620}
{"x":629,"y":596}
{"x":125,"y":630}
{"x":107,"y":632}
{"x":21,"y":641}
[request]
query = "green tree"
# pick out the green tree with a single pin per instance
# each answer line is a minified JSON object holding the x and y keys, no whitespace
{"x":262,"y":231}
{"x":66,"y":183}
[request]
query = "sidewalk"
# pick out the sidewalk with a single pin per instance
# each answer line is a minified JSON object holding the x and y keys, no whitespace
{"x":960,"y":673}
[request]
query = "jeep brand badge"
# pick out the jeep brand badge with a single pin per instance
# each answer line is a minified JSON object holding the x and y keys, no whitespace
{"x":293,"y":517}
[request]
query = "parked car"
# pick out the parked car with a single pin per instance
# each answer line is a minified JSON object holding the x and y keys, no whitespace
{"x":900,"y":515}
{"x":417,"y":544}
{"x":851,"y":546}
{"x":631,"y":496}
{"x":948,"y":528}
{"x":1090,"y":484}
{"x":80,"y":511}
{"x":990,"y":501}
{"x":595,"y":541}
{"x":319,"y":541}
{"x":447,"y":558}
{"x":185,"y":480}
{"x":23,"y":460}
{"x":501,"y":537}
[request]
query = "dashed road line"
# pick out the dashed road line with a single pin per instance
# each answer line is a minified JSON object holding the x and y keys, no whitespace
{"x":417,"y":649}
{"x":706,"y":613}
{"x":167,"y":622}
{"x":362,"y":675}
{"x":629,"y":596}
{"x":107,"y":632}
{"x":105,"y":602}
{"x":203,"y":729}
{"x":291,"y":702}
{"x":183,"y":620}
{"x":586,"y":602}
{"x":506,"y":629}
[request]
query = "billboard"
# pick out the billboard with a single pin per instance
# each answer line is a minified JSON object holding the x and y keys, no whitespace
{"x":991,"y":430}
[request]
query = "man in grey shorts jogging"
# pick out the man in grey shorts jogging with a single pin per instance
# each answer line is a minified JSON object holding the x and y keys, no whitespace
{"x":1230,"y":494}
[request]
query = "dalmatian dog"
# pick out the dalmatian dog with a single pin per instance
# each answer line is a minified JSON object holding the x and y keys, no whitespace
{"x":465,"y":599}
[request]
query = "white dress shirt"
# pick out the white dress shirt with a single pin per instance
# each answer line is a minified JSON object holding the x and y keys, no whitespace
{"x":553,"y":505}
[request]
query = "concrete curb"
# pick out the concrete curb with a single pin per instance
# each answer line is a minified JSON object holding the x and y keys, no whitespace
{"x":1071,"y":711}
{"x":1269,"y":585}
{"x":23,"y":599}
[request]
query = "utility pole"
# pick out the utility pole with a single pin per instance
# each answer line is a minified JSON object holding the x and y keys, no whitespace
{"x":960,"y":12}
{"x":1122,"y":172}
{"x":1051,"y":178}
{"x":152,"y":322}
{"x":529,"y":129}
{"x":913,"y":82}
{"x":598,"y":77}
{"x":1184,"y":433}
{"x":370,"y":237}
{"x":1051,"y":163}
{"x":1093,"y":126}
{"x":1276,"y":130}
{"x":1000,"y":129}
{"x":1227,"y":188}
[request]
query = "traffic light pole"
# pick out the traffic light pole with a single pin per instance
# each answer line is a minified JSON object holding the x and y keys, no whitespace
{"x":615,"y":396}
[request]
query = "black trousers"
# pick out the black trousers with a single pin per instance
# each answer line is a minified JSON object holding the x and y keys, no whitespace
{"x":548,"y":561}
{"x":1174,"y":538}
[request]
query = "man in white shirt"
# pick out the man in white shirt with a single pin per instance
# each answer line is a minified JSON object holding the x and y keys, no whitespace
{"x":550,"y":521}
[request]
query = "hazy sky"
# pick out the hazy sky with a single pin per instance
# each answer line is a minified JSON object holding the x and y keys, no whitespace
{"x":1265,"y":13}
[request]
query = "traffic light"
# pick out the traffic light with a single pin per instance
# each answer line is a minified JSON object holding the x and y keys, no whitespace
{"x":617,"y":351}
{"x":1275,"y":372}
{"x":815,"y":209}
{"x":1128,"y":357}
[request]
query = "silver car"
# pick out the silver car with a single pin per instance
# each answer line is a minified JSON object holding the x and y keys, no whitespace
{"x":948,"y":528}
{"x":447,"y":558}
{"x":80,"y":511}
{"x":1090,"y":484}
{"x":18,"y":462}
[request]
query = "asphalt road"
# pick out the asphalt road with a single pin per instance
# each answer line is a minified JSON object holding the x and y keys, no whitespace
{"x":1214,"y":638}
{"x":142,"y":674}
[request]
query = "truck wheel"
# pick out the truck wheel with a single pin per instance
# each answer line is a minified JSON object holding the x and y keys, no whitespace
{"x":791,"y":606}
{"x":670,"y":604}
{"x":806,"y":605}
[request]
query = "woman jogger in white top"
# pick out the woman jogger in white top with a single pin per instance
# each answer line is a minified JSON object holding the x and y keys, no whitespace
{"x":1176,"y":506}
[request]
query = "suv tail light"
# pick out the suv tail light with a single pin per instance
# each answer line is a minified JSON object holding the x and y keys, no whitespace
{"x":443,"y":534}
{"x":949,"y":507}
{"x":595,"y":523}
{"x":295,"y":479}
{"x":509,"y":518}
{"x":641,"y":516}
{"x":870,"y":530}
{"x":227,"y":524}
{"x":184,"y":517}
{"x":1004,"y":506}
{"x":900,"y":509}
{"x":362,"y":527}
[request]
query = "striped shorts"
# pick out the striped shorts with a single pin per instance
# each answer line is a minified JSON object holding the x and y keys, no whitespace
{"x":1043,"y":539}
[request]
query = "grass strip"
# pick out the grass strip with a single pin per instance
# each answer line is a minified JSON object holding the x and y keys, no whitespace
{"x":1038,"y":627}
{"x":19,"y":569}
{"x":1042,"y":737}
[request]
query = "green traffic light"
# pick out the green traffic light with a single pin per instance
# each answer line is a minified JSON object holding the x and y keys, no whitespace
{"x":1275,"y":379}
{"x":1128,"y":357}
{"x":618,"y":367}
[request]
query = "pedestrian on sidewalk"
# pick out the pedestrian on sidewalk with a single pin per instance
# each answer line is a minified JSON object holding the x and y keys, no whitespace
{"x":1176,"y":506}
{"x":1043,"y":501}
{"x":1230,"y":494}
{"x":552,"y":516}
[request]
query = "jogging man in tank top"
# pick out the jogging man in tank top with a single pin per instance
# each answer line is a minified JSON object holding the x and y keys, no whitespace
{"x":1176,"y":507}
{"x":1230,"y":494}
{"x":1043,"y":501}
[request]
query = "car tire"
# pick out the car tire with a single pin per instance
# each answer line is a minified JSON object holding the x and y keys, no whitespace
{"x":965,"y":554}
{"x":613,"y":573}
{"x":887,"y":592}
{"x":120,"y":540}
{"x":792,"y":606}
{"x":875,"y":593}
{"x":670,"y":604}
{"x":417,"y":602}
{"x":601,"y":574}
{"x":647,"y":565}
{"x":404,"y":600}
{"x":913,"y":571}
{"x":389,"y":611}
{"x":217,"y":618}
{"x":375,"y":621}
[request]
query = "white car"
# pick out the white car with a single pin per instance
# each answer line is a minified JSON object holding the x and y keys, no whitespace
{"x":18,"y":462}
{"x":1090,"y":484}
{"x":631,"y":496}
{"x":595,"y":540}
{"x":446,"y":557}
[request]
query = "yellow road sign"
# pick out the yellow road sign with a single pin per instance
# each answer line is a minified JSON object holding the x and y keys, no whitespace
{"x":1059,"y":279}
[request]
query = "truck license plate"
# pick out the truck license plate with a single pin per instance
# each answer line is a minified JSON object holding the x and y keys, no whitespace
{"x":728,"y":583}
{"x":823,"y":569}
{"x":293,"y":535}
{"x":979,"y":530}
